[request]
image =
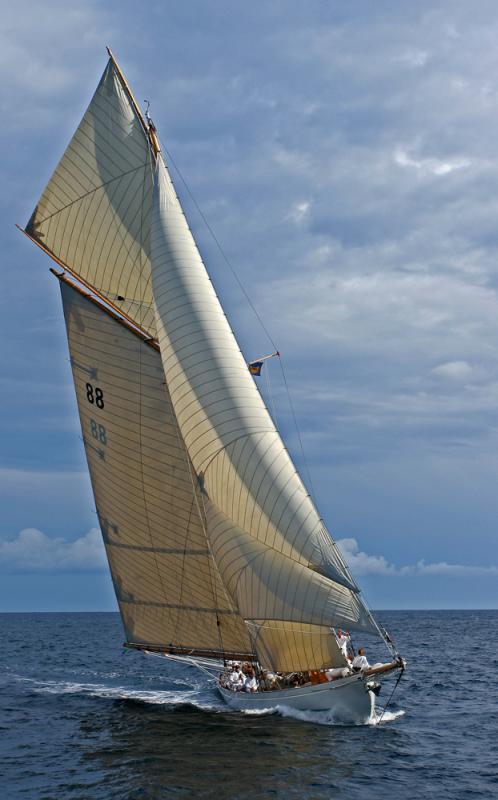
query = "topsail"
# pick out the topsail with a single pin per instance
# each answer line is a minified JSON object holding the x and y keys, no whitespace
{"x":94,"y":215}
{"x":214,"y":544}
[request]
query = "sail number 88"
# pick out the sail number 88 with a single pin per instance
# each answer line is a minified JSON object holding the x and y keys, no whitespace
{"x":98,"y":431}
{"x":95,"y":395}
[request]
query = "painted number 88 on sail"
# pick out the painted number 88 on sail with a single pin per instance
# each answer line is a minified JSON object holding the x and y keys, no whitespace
{"x":95,"y":395}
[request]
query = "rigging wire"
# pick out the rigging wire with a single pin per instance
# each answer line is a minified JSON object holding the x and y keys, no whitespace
{"x":253,"y":308}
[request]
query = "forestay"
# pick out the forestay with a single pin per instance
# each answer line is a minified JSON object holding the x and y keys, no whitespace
{"x":94,"y":215}
{"x":169,"y":592}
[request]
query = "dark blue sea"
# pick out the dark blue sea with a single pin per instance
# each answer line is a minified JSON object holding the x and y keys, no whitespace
{"x":79,"y":719}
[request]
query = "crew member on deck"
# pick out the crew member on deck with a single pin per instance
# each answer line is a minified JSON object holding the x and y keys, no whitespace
{"x":236,"y":679}
{"x":343,"y":640}
{"x":250,"y":682}
{"x":360,"y":661}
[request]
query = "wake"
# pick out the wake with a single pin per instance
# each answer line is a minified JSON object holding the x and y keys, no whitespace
{"x":197,"y":696}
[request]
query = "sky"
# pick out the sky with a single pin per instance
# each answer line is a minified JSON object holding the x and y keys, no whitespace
{"x":346,"y":157}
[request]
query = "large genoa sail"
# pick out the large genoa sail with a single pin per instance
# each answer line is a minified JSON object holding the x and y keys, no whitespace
{"x":94,"y":214}
{"x":169,"y":593}
{"x":244,"y":469}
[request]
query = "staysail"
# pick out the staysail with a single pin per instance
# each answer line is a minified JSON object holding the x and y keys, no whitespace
{"x":169,"y":592}
{"x":288,"y":608}
{"x":94,"y":214}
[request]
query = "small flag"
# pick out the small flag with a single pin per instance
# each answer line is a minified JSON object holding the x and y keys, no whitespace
{"x":255,"y":367}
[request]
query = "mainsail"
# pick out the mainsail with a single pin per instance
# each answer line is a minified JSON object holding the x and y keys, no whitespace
{"x":167,"y":586}
{"x":214,"y":544}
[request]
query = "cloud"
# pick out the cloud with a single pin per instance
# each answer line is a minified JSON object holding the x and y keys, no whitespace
{"x":430,"y":166}
{"x":453,"y":370}
{"x":299,"y":211}
{"x":443,"y":568}
{"x":363,"y":564}
{"x":34,"y":551}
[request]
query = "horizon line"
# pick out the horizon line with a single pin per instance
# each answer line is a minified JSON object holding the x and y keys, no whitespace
{"x":116,"y":611}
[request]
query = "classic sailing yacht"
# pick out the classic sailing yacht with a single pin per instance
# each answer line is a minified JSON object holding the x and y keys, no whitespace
{"x":216,"y":550}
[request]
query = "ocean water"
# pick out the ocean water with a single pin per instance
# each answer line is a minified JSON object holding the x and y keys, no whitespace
{"x":79,"y":719}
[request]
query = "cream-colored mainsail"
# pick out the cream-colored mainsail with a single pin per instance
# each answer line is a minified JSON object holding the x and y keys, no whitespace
{"x":94,"y":215}
{"x":169,"y":593}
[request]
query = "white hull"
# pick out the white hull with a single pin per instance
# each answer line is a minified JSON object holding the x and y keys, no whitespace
{"x":348,"y":699}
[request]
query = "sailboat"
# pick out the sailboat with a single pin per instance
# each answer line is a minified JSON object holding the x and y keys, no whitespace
{"x":216,"y":549}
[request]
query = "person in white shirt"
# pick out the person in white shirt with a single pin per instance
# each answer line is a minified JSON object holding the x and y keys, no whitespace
{"x":360,"y":661}
{"x":250,"y":682}
{"x":343,"y":640}
{"x":236,"y":679}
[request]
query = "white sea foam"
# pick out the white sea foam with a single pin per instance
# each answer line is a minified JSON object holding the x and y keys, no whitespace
{"x":389,"y":716}
{"x":196,"y":696}
{"x":316,"y":717}
{"x":319,"y":717}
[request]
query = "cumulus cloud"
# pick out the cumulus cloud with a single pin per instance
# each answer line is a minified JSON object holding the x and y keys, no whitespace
{"x":33,"y":551}
{"x":363,"y":564}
